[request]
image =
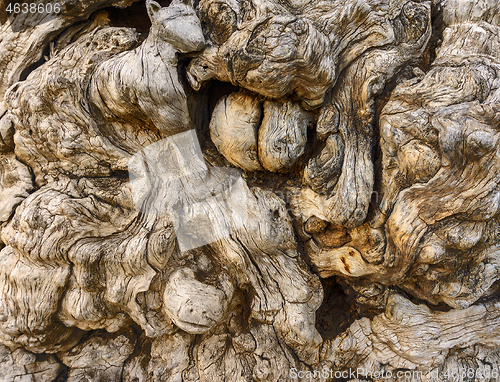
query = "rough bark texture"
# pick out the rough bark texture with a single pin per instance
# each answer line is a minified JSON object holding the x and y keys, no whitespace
{"x":250,"y":190}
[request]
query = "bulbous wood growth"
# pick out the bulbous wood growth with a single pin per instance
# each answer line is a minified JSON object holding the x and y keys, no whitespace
{"x":250,"y":190}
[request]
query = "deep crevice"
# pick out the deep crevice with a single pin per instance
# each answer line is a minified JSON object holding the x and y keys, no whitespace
{"x":31,"y":68}
{"x":339,"y":309}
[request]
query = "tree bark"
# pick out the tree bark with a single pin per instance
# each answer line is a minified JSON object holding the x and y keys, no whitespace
{"x":250,"y":191}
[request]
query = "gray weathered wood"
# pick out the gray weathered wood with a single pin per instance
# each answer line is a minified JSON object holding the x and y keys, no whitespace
{"x":360,"y":229}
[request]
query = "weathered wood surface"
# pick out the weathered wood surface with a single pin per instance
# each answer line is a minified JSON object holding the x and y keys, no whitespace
{"x":234,"y":130}
{"x":365,"y":134}
{"x":25,"y":36}
{"x":397,"y":338}
{"x":435,"y":229}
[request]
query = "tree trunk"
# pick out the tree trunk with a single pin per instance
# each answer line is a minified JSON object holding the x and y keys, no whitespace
{"x":237,"y":190}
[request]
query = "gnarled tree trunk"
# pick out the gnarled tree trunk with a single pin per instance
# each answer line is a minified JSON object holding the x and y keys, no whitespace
{"x":249,"y":190}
